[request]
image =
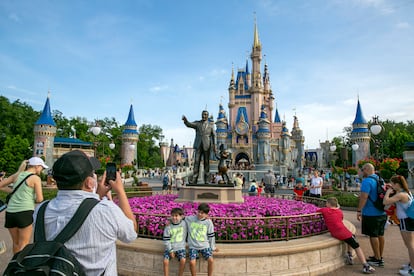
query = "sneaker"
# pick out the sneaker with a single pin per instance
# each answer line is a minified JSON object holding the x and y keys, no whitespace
{"x":376,"y":262}
{"x":349,"y":259}
{"x":406,"y":267}
{"x":409,"y":272}
{"x":368,"y":269}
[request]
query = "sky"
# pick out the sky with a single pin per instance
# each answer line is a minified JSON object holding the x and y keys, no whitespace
{"x":174,"y":58}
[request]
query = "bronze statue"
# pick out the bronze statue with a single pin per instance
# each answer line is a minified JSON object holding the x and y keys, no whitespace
{"x":223,"y":157}
{"x":204,"y":142}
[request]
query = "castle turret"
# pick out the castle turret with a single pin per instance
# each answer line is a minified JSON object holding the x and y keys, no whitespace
{"x":256,"y":83}
{"x":221,"y":127}
{"x":44,"y":134}
{"x":299,"y":140}
{"x":263,"y":138}
{"x":129,"y":140}
{"x":360,"y":135}
{"x":232,"y":89}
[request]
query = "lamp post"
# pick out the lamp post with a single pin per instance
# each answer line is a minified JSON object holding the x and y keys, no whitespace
{"x":344,"y":157}
{"x":96,"y":130}
{"x":376,"y":129}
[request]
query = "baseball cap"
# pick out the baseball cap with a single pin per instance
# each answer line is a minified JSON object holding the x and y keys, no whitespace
{"x":73,"y":168}
{"x":36,"y":161}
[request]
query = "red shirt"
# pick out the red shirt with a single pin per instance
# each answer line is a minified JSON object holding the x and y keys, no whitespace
{"x":333,"y":219}
{"x":299,"y":192}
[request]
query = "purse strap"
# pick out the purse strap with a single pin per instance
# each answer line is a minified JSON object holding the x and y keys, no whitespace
{"x":18,"y":186}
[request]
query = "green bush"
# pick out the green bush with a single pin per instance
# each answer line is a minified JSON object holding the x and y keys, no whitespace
{"x":345,"y":199}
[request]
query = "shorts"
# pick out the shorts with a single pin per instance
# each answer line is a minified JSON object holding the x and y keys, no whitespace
{"x":315,"y":195}
{"x":205,"y":252}
{"x":164,"y":187}
{"x":179,"y":254}
{"x":269,"y":188}
{"x":373,"y":226}
{"x":407,"y":224}
{"x":19,"y":219}
{"x":352,"y":242}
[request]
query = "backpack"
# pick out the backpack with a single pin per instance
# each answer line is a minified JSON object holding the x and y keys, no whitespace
{"x":252,"y":188}
{"x":165,"y":180}
{"x":410,"y":209}
{"x":51,"y":257}
{"x":378,"y":203}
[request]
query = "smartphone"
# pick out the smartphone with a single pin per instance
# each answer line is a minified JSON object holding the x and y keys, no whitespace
{"x":110,"y":172}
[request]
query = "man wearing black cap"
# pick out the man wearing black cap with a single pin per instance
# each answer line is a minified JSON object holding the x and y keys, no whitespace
{"x":94,"y":244}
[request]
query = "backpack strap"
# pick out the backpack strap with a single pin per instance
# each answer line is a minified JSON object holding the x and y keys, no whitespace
{"x":377,"y":181}
{"x":17,"y":187}
{"x":73,"y":225}
{"x":39,"y":233}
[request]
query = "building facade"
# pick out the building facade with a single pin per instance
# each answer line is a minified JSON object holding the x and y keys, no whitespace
{"x":255,"y":139}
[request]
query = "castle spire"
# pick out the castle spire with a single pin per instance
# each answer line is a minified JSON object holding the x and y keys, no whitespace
{"x":256,"y":41}
{"x":46,"y":116}
{"x":277,"y":117}
{"x":359,"y":117}
{"x":131,"y":120}
{"x":129,"y":140}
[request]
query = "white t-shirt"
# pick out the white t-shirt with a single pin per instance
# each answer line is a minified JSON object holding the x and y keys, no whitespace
{"x":316,"y":181}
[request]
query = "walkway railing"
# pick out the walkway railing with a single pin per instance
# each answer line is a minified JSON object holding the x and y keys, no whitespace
{"x":247,"y":229}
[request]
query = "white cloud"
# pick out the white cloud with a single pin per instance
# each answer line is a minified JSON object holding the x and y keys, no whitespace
{"x":158,"y":88}
{"x":13,"y":87}
{"x":381,"y":5}
{"x":403,"y":25}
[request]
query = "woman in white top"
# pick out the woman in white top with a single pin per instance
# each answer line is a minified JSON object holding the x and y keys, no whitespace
{"x":399,"y":194}
{"x":316,"y":185}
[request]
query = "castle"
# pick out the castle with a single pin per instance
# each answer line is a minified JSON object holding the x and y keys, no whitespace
{"x":49,"y":147}
{"x":254,"y":138}
{"x":257,"y":139}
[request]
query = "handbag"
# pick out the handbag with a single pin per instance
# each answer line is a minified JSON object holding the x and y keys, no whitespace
{"x":410,"y":209}
{"x":3,"y":205}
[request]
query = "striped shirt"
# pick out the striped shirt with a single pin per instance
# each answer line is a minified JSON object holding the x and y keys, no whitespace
{"x":94,"y":244}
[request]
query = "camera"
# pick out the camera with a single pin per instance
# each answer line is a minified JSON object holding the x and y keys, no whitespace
{"x":110,"y":172}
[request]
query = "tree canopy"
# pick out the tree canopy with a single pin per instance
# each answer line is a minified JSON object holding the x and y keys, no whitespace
{"x":17,"y":136}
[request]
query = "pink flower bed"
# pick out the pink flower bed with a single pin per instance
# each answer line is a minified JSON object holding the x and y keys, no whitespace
{"x":257,"y":219}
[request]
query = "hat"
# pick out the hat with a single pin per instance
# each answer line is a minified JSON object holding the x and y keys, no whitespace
{"x":36,"y":161}
{"x":74,"y":167}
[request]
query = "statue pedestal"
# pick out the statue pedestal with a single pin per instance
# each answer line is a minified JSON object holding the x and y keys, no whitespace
{"x":210,"y":194}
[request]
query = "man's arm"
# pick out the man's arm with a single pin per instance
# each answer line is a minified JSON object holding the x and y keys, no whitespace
{"x":123,"y":202}
{"x":363,"y":197}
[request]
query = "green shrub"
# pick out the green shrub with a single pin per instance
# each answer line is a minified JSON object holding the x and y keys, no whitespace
{"x":345,"y":199}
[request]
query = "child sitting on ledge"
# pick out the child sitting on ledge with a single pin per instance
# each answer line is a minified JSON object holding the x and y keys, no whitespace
{"x":333,"y":217}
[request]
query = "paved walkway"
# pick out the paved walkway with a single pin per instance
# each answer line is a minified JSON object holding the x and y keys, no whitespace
{"x":395,"y":252}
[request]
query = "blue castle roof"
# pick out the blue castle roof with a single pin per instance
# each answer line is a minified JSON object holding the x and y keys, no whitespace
{"x":71,"y":141}
{"x":131,"y":120}
{"x":277,"y":117}
{"x":359,"y":117}
{"x":130,"y":124}
{"x":243,"y":74}
{"x":46,"y":116}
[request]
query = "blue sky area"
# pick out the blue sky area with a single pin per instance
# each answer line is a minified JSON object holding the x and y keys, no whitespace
{"x":170,"y":58}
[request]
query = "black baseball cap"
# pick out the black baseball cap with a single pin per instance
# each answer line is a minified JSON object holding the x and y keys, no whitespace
{"x":73,"y":168}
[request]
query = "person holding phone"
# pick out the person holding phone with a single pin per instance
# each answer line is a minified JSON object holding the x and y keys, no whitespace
{"x":94,"y":244}
{"x":27,"y":191}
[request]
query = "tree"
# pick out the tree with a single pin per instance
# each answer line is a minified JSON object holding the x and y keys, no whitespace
{"x":15,"y":150}
{"x":148,"y":153}
{"x":17,"y":123}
